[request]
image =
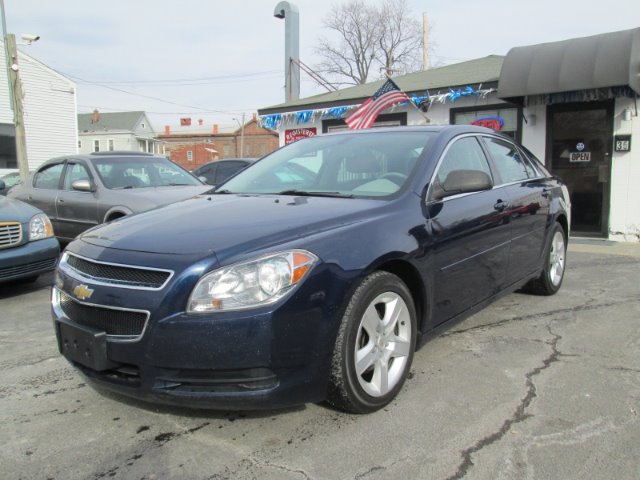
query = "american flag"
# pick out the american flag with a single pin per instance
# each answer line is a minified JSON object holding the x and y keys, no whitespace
{"x":387,"y":95}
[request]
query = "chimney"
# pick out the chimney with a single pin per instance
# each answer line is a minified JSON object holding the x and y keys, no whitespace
{"x":255,"y":116}
{"x":200,"y":121}
{"x":185,"y":121}
{"x":215,"y":129}
{"x":95,"y":117}
{"x":167,"y":130}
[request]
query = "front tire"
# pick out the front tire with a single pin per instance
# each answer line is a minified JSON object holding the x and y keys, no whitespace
{"x":375,"y":345}
{"x":550,"y":280}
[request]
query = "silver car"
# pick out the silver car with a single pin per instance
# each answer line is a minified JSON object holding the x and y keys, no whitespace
{"x":78,"y":192}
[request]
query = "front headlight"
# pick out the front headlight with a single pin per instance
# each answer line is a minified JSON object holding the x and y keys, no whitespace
{"x":251,"y":284}
{"x":40,"y":227}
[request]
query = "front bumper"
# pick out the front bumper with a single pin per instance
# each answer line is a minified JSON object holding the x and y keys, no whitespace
{"x":273,"y":357}
{"x":29,"y":260}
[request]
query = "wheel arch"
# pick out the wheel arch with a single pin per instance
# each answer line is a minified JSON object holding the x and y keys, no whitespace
{"x":412,"y":279}
{"x":116,"y":212}
{"x":564,"y":223}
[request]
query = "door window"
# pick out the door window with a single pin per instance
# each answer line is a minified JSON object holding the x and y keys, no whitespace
{"x":48,"y":177}
{"x":75,"y":171}
{"x":463,"y":154}
{"x":509,"y":164}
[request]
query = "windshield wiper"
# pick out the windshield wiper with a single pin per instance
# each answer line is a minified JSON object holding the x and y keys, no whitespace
{"x":304,"y":193}
{"x":223,"y":192}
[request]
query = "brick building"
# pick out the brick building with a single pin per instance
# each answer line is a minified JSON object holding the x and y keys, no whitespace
{"x":192,"y":146}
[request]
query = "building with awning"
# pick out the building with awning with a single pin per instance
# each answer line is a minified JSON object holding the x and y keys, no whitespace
{"x":573,"y":103}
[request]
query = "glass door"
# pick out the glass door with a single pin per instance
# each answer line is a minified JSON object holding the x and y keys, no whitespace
{"x":579,"y":139}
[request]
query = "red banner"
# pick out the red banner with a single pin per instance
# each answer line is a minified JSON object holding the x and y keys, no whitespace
{"x":291,"y":136}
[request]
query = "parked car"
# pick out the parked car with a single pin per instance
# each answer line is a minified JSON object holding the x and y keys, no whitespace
{"x":218,"y":171}
{"x":78,"y":192}
{"x":10,"y":179}
{"x":27,"y":245}
{"x":284,"y":288}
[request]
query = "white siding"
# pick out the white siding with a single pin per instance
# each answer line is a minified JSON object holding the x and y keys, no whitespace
{"x":624,"y":220}
{"x":121,"y":141}
{"x":51,"y":124}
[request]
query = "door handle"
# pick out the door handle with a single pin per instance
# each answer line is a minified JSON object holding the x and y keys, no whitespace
{"x":60,"y":200}
{"x":500,"y":205}
{"x":546,"y":192}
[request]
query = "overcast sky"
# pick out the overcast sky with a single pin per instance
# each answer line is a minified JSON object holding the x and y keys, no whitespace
{"x":235,"y":49}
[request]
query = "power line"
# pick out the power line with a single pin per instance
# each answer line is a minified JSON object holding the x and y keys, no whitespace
{"x":190,"y":81}
{"x":199,"y":108}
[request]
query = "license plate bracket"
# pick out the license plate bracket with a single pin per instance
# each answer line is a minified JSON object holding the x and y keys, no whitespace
{"x":84,"y":346}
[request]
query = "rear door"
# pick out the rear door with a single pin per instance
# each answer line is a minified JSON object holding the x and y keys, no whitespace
{"x":470,"y":235}
{"x":528,"y":209}
{"x":44,"y":190}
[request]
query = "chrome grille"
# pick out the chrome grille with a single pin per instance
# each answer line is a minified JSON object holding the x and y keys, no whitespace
{"x":120,"y":275}
{"x":115,"y":322}
{"x":10,"y":234}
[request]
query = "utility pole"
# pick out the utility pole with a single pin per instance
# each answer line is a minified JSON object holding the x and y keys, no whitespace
{"x":242,"y":138}
{"x":425,"y":46}
{"x":15,"y":95}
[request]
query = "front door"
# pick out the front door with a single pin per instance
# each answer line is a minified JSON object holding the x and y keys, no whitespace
{"x":579,"y":152}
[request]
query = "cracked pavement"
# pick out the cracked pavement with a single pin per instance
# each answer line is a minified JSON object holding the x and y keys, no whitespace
{"x":529,"y":388}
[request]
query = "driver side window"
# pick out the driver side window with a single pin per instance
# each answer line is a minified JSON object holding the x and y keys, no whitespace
{"x":463,"y":154}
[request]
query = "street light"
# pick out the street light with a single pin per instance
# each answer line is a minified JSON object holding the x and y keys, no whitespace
{"x":15,"y":91}
{"x":241,"y":125}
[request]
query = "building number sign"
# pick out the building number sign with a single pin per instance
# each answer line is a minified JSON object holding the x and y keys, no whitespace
{"x":622,"y":143}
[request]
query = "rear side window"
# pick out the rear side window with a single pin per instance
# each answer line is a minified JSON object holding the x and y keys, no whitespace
{"x":48,"y":177}
{"x":510,"y":165}
{"x":463,"y":154}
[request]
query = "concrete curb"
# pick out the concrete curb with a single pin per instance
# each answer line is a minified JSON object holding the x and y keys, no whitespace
{"x":604,"y":247}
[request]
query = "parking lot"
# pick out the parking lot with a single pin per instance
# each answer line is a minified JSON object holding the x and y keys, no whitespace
{"x":531,"y":387}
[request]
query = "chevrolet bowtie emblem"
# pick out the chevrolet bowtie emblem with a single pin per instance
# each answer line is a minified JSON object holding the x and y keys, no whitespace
{"x":82,"y":292}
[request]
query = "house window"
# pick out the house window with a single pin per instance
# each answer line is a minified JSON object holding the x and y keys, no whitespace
{"x":111,"y":145}
{"x":79,"y":144}
{"x":142,"y":125}
{"x":189,"y":156}
{"x":96,"y":145}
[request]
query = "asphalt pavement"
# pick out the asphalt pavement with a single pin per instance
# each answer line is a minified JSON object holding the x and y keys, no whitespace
{"x":530,"y":388}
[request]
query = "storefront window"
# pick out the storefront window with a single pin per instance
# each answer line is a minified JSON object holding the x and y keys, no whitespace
{"x":507,"y":119}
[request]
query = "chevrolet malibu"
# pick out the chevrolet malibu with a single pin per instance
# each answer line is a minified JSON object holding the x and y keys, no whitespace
{"x":314,"y":274}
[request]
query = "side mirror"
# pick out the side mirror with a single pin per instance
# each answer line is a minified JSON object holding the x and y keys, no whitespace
{"x":82,"y":186}
{"x":203,"y":179}
{"x":463,"y":181}
{"x":2,"y":185}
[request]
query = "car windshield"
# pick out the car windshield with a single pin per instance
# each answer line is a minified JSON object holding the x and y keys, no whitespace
{"x":141,"y":172}
{"x":374,"y":164}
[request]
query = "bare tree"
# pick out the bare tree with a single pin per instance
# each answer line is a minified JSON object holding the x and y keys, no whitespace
{"x":370,"y":40}
{"x":358,"y":29}
{"x":400,"y":44}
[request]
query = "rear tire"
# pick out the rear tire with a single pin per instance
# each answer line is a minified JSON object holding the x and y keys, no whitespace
{"x":375,"y":345}
{"x":550,"y":280}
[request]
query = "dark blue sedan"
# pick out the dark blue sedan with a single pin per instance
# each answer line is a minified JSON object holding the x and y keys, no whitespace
{"x":27,"y":245}
{"x":313,"y":274}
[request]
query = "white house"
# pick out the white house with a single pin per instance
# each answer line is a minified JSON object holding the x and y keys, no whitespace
{"x":572,"y":103}
{"x":49,"y":113}
{"x":100,"y":132}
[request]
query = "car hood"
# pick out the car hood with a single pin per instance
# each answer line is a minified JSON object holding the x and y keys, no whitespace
{"x":12,"y":210}
{"x":229,"y":224}
{"x":141,"y":199}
